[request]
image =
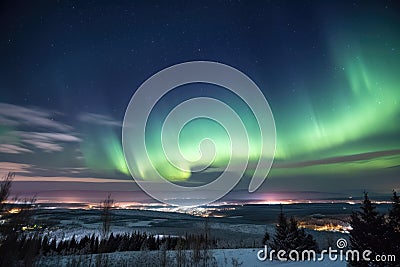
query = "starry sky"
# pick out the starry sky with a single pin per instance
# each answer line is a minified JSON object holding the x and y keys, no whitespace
{"x":329,"y":70}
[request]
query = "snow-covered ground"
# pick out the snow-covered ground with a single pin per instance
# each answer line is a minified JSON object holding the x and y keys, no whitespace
{"x":240,"y":228}
{"x":246,"y":257}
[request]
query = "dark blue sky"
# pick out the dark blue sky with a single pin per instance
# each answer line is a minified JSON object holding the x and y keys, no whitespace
{"x":59,"y":54}
{"x":69,"y":69}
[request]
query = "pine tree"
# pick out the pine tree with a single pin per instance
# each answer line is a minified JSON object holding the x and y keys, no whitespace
{"x":53,"y":246}
{"x":96,"y":245}
{"x":265,"y":238}
{"x":72,"y":245}
{"x":368,"y":229}
{"x":45,"y":245}
{"x":298,"y":239}
{"x":289,"y":237}
{"x":394,"y":213}
{"x":280,"y":241}
{"x":293,"y":239}
{"x":393,"y":231}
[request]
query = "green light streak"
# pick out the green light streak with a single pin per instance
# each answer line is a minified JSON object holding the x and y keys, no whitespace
{"x":103,"y":152}
{"x":363,"y":102}
{"x":353,"y":109}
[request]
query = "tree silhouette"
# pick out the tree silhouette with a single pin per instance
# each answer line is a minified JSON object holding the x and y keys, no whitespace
{"x":393,"y":231}
{"x":280,"y":240}
{"x":14,"y":217}
{"x":106,"y":206}
{"x":5,"y":187}
{"x":394,"y":213}
{"x":265,"y":238}
{"x":288,"y":236}
{"x":368,"y":233}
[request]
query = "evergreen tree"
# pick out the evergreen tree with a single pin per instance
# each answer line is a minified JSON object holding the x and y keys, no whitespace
{"x":298,"y":239}
{"x":72,"y":245}
{"x":368,"y":232}
{"x":265,"y":238}
{"x":309,"y":241}
{"x":293,"y":239}
{"x":289,"y":237}
{"x":393,"y":233}
{"x":394,"y":213}
{"x":280,"y":240}
{"x":53,"y":245}
{"x":96,"y":245}
{"x":45,"y":245}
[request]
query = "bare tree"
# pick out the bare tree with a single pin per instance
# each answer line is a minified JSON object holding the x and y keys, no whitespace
{"x":14,"y":217}
{"x":5,"y":186}
{"x":106,"y":207}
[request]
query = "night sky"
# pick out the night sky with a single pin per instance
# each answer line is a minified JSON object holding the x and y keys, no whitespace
{"x":329,"y":70}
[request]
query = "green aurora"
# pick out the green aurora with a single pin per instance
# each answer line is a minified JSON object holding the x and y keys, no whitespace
{"x":351,"y":108}
{"x":360,"y":104}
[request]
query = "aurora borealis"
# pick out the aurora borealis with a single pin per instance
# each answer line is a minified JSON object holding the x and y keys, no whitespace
{"x":329,"y":70}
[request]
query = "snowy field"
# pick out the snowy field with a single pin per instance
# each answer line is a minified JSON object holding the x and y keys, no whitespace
{"x":233,"y":226}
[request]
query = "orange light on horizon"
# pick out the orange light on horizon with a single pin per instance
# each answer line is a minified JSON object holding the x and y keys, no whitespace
{"x":14,"y":210}
{"x":327,"y":227}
